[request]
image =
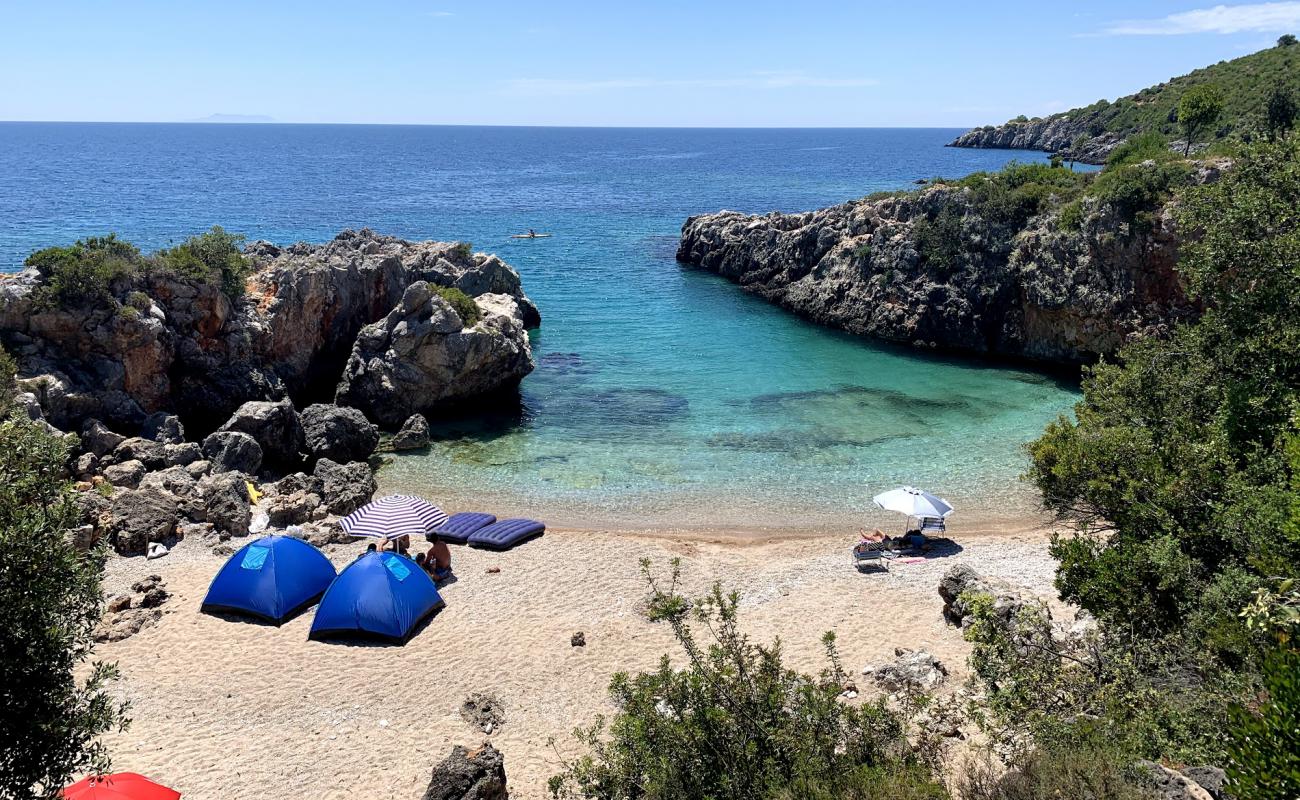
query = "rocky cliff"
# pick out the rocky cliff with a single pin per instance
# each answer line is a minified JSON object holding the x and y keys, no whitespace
{"x":1050,"y":290}
{"x":182,"y":345}
{"x":1054,"y":134}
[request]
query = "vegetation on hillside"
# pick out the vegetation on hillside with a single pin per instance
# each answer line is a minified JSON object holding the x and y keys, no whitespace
{"x":1179,"y":473}
{"x":1246,"y":85}
{"x":50,"y":593}
{"x":101,"y":271}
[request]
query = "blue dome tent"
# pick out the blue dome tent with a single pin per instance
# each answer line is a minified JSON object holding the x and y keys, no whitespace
{"x":379,"y":596}
{"x":272,"y":579}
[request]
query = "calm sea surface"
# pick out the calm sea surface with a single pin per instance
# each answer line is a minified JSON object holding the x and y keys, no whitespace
{"x":663,"y":397}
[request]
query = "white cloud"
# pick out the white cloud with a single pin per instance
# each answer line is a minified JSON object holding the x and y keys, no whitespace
{"x":1274,"y":17}
{"x":439,"y":14}
{"x":758,"y":80}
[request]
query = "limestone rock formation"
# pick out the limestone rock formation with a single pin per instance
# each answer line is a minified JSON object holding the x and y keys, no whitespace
{"x":1039,"y":293}
{"x":345,"y":487}
{"x":1054,"y":134}
{"x":200,"y":355}
{"x":233,"y":450}
{"x":338,"y":433}
{"x":275,"y":428}
{"x":422,"y":356}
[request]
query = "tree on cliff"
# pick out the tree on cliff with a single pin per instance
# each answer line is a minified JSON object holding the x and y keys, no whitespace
{"x":1198,"y":109}
{"x":50,"y":594}
{"x":1280,"y":112}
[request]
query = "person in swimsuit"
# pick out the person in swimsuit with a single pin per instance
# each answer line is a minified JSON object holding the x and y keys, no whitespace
{"x":438,"y":560}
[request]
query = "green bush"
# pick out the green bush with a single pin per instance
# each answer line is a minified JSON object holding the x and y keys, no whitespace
{"x":215,"y":256}
{"x":468,"y":311}
{"x":463,"y":249}
{"x":55,"y":706}
{"x":1083,"y":766}
{"x":940,"y":240}
{"x":83,"y":274}
{"x":1264,"y":743}
{"x":734,"y":723}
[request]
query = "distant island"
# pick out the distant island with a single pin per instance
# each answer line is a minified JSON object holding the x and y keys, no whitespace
{"x":1090,"y":133}
{"x":236,"y":118}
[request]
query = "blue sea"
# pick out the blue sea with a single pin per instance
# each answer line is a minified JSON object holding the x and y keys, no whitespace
{"x":663,"y":397}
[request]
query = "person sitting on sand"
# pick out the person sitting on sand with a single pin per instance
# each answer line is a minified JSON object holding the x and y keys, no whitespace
{"x":370,"y":548}
{"x":438,"y":560}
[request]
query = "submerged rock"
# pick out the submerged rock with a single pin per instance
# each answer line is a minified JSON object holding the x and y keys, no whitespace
{"x":423,"y":357}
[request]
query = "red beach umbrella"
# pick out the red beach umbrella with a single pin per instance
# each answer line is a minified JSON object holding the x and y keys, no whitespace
{"x":120,"y":786}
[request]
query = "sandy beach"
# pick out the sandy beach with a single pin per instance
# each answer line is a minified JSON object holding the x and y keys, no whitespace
{"x":225,"y":710}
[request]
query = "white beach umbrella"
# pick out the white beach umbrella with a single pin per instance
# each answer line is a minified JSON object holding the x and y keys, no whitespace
{"x":394,"y":516}
{"x":913,"y":502}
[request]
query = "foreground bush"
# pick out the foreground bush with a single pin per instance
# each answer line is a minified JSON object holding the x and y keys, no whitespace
{"x":51,"y":598}
{"x":1078,"y":767}
{"x":734,"y":723}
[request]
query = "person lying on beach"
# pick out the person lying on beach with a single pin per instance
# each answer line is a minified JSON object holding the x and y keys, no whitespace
{"x":438,"y":560}
{"x":875,"y":536}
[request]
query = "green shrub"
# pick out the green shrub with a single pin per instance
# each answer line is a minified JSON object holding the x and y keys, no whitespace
{"x":1264,"y":744}
{"x":215,"y":256}
{"x":940,"y":240}
{"x":862,"y":252}
{"x":55,"y":706}
{"x":128,"y":312}
{"x":1070,"y":217}
{"x":734,"y":723}
{"x":463,"y":249}
{"x":139,"y":301}
{"x":466,"y":308}
{"x":1082,"y":766}
{"x":82,"y":275}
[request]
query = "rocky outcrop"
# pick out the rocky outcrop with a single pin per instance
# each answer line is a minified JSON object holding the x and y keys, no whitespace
{"x":186,"y":348}
{"x":275,"y":428}
{"x":1045,"y":291}
{"x":469,"y":775}
{"x":423,"y":357}
{"x":1054,"y":134}
{"x":337,"y":433}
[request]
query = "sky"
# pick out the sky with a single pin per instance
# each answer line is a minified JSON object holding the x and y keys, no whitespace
{"x":795,"y":63}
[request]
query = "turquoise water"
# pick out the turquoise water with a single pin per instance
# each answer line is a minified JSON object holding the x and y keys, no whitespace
{"x":663,"y":396}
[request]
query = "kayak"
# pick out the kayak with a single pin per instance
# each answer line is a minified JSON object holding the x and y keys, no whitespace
{"x":531,"y":236}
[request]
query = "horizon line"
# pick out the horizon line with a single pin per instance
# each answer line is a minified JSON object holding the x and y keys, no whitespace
{"x":271,"y":123}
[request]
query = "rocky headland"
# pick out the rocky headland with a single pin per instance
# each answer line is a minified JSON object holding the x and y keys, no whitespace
{"x":192,"y":410}
{"x":1055,"y":134}
{"x":941,"y":268}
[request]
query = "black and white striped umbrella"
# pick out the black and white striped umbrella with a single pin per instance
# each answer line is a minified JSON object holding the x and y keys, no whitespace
{"x":394,"y":516}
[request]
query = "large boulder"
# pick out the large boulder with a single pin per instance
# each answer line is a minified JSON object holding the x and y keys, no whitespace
{"x":126,"y":474}
{"x":138,"y":517}
{"x":98,"y":439}
{"x":423,"y":356}
{"x":226,"y":502}
{"x":911,"y":671}
{"x":963,"y":581}
{"x":345,"y":487}
{"x":233,"y":451}
{"x":148,"y":452}
{"x":469,"y":775}
{"x":413,"y":435}
{"x":1169,"y":784}
{"x":275,"y":427}
{"x":338,"y":433}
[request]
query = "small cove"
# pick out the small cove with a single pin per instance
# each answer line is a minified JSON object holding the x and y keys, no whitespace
{"x":663,"y":397}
